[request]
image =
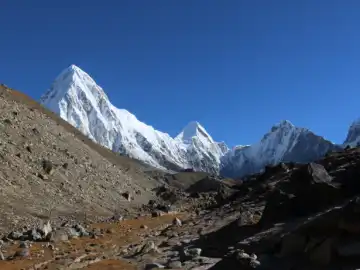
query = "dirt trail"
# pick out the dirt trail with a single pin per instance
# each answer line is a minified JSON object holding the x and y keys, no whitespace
{"x":85,"y":252}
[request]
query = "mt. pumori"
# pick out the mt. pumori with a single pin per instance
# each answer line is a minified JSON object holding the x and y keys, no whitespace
{"x":77,"y":98}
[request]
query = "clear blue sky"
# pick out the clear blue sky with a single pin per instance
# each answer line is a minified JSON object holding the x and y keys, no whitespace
{"x":237,"y":67}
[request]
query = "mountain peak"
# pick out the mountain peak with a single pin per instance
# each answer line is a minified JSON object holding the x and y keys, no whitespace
{"x":72,"y":86}
{"x":194,"y":129}
{"x":283,"y":124}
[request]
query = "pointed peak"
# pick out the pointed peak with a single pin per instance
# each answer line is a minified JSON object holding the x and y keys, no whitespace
{"x":72,"y":81}
{"x":193,"y":125}
{"x":285,"y":123}
{"x":282,"y":124}
{"x":72,"y":66}
{"x":193,"y":129}
{"x":72,"y":69}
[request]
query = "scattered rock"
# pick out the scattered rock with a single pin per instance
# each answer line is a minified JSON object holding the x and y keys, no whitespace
{"x":46,"y":229}
{"x":81,"y":230}
{"x":156,"y":214}
{"x":15,"y":235}
{"x":177,"y":222}
{"x":152,"y":266}
{"x":349,"y":249}
{"x":22,"y":253}
{"x":321,"y":254}
{"x":149,"y":247}
{"x":127,"y":196}
{"x":7,"y":121}
{"x":34,"y":235}
{"x":28,"y":148}
{"x":292,"y":244}
{"x":175,"y":264}
{"x":110,"y":231}
{"x":42,"y":176}
{"x":192,"y":252}
{"x":48,"y":166}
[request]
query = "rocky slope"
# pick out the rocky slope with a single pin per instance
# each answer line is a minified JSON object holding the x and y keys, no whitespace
{"x":48,"y":167}
{"x":276,"y":220}
{"x":79,"y":100}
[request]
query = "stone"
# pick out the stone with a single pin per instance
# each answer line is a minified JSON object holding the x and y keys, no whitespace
{"x":46,"y":229}
{"x":24,"y":244}
{"x":28,"y":148}
{"x":58,"y":236}
{"x":175,"y":264}
{"x":292,"y":244}
{"x":156,"y":214}
{"x":42,"y":176}
{"x":117,"y":217}
{"x":152,"y":266}
{"x":127,"y":196}
{"x":193,"y":252}
{"x":22,"y":253}
{"x":81,"y":230}
{"x":177,"y":222}
{"x":149,"y":247}
{"x":35,"y":235}
{"x":110,"y":231}
{"x":321,"y":254}
{"x":14,"y":235}
{"x":48,"y":166}
{"x":254,"y":264}
{"x":349,"y":249}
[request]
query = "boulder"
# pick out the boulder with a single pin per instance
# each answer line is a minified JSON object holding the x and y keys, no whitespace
{"x":292,"y":244}
{"x":322,"y":254}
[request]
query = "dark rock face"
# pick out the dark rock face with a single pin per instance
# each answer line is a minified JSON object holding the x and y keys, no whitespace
{"x":308,"y":190}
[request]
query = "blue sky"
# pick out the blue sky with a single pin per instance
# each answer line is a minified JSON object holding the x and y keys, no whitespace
{"x":237,"y":67}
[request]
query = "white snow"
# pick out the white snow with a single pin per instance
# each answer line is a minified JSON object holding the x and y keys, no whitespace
{"x":77,"y":98}
{"x":275,"y":147}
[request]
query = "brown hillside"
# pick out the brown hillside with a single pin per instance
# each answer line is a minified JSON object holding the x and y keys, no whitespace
{"x":84,"y":177}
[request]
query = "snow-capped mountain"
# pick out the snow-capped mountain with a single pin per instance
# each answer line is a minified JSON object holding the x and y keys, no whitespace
{"x":284,"y":143}
{"x":77,"y":98}
{"x":353,"y":136}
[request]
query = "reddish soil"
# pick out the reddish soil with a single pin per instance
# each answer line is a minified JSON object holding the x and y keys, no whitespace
{"x":79,"y":251}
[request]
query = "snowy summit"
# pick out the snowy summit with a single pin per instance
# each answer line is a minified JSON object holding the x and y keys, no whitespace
{"x":77,"y":98}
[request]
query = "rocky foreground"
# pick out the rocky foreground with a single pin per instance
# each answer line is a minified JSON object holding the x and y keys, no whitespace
{"x":68,"y":203}
{"x":289,"y":217}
